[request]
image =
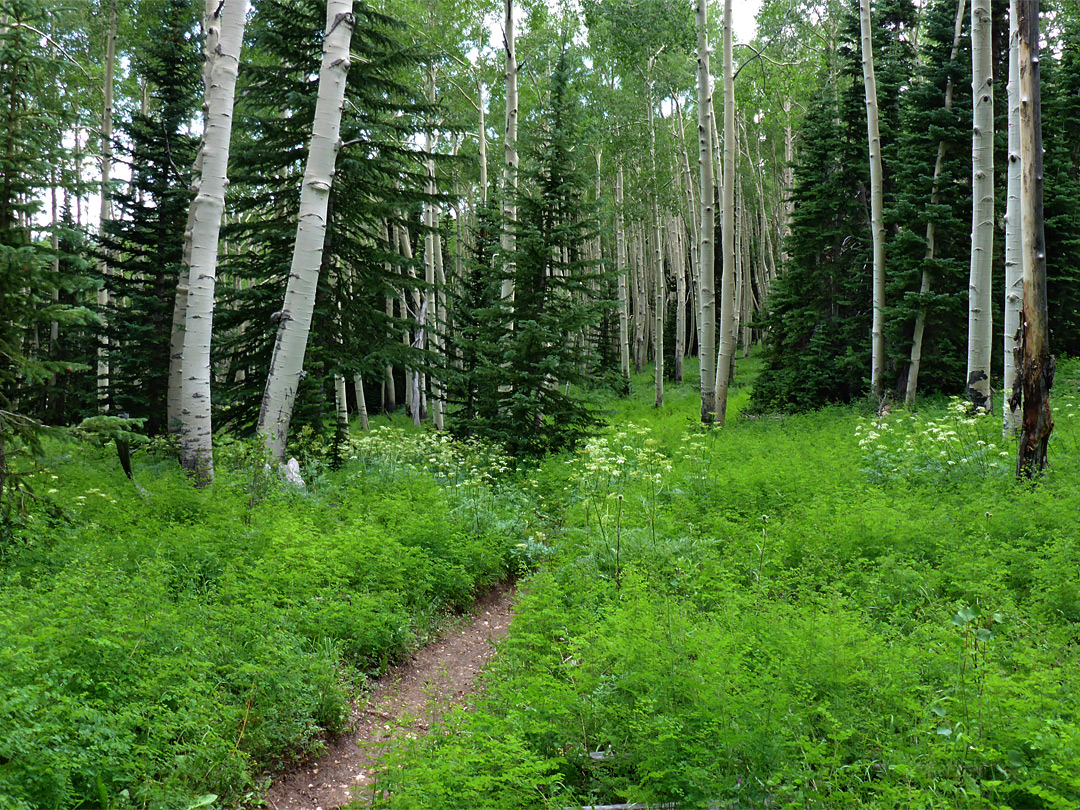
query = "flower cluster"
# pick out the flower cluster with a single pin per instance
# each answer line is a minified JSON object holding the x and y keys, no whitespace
{"x":455,"y":463}
{"x":907,"y":445}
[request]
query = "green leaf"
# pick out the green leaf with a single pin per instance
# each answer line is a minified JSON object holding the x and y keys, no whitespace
{"x":203,"y":801}
{"x":944,"y":731}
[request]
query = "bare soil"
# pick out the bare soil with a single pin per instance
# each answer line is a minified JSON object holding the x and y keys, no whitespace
{"x":407,"y":700}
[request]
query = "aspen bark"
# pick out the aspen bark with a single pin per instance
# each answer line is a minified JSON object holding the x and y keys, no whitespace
{"x":707,"y":216}
{"x":341,"y":407}
{"x":980,"y":317}
{"x":361,"y":401}
{"x":931,"y":228}
{"x":623,"y":270}
{"x":659,"y":283}
{"x":1014,"y":270}
{"x":510,"y":154}
{"x":105,"y":212}
{"x":225,"y":35}
{"x":175,"y":395}
{"x":727,"y":278}
{"x":287,"y":362}
{"x":1037,"y":364}
{"x":877,"y":227}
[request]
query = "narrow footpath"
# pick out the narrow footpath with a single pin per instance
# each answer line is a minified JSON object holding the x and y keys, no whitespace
{"x":407,"y":700}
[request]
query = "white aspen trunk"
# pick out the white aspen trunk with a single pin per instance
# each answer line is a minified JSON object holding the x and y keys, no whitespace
{"x":727,"y":279}
{"x":877,"y":227}
{"x":287,"y":363}
{"x":105,"y":212}
{"x":707,"y":218}
{"x":482,"y":141}
{"x":623,"y":270}
{"x":510,"y":154}
{"x":1037,"y":364}
{"x":659,"y":284}
{"x":1014,"y":271}
{"x":980,"y":317}
{"x":679,"y":267}
{"x":931,"y":230}
{"x":439,"y":300}
{"x":361,"y":401}
{"x":175,"y":395}
{"x":789,"y":180}
{"x":341,"y":406}
{"x":207,"y":209}
{"x":414,"y":406}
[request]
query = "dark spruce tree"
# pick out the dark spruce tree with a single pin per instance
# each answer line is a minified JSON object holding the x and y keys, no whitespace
{"x":377,"y":175}
{"x":534,"y":354}
{"x":1061,"y":168}
{"x":818,"y":313}
{"x":471,"y":366}
{"x":142,"y":247}
{"x":41,"y":293}
{"x":925,"y":125}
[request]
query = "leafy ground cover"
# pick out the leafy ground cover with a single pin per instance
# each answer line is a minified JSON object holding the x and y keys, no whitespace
{"x":826,"y":610}
{"x":162,"y":647}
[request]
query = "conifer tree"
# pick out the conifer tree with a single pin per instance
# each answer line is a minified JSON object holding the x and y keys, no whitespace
{"x":819,"y":311}
{"x":38,"y":287}
{"x":529,"y":358}
{"x":1061,"y":137}
{"x":142,"y":246}
{"x":929,"y":241}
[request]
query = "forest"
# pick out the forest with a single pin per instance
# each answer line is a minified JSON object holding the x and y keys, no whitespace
{"x":730,"y":347}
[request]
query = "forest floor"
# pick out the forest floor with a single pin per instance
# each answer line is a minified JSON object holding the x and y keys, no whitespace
{"x":405,"y":701}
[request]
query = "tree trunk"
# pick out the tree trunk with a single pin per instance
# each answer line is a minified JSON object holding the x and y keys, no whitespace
{"x":980,"y":317}
{"x":877,"y":361}
{"x":931,"y":231}
{"x":361,"y":401}
{"x":105,"y":212}
{"x":707,"y":216}
{"x":341,"y":407}
{"x":510,"y":154}
{"x":175,"y":396}
{"x":727,"y":277}
{"x":224,"y":38}
{"x":1014,"y":270}
{"x":623,"y":270}
{"x":286,"y":365}
{"x":1037,"y":364}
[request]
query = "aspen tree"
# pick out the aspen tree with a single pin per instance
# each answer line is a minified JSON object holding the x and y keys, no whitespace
{"x":224,"y":36}
{"x":727,"y":279}
{"x":877,"y":362}
{"x":707,"y":216}
{"x":1014,"y":270}
{"x":105,"y":212}
{"x":287,"y":362}
{"x":980,"y":317}
{"x":623,"y":270}
{"x":510,"y":153}
{"x":1037,"y":364}
{"x":659,"y":283}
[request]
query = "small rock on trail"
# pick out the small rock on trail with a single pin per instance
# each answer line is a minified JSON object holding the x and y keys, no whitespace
{"x":408,"y":698}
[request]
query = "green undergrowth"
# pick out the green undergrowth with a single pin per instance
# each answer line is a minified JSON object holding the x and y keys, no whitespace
{"x":828,"y":610}
{"x":161,"y":645}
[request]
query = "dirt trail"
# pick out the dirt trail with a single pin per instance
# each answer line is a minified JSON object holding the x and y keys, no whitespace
{"x":406,"y":700}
